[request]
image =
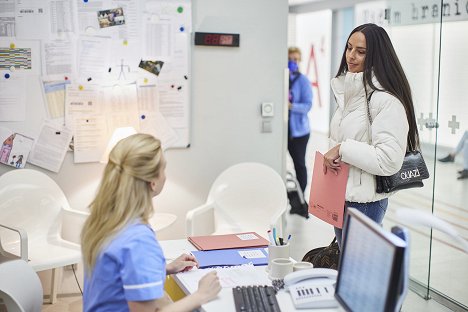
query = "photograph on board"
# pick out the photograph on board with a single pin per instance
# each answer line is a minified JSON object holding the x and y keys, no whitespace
{"x":112,"y":17}
{"x":153,"y":67}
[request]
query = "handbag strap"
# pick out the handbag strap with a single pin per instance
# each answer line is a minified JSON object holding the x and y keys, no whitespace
{"x":408,"y":148}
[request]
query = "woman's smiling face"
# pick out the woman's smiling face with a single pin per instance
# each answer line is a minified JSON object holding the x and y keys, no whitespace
{"x":356,"y":52}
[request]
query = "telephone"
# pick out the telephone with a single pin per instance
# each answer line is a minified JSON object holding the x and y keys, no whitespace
{"x":312,"y":288}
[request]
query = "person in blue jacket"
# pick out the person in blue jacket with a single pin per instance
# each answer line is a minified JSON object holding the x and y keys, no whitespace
{"x":300,"y":103}
{"x":125,"y":268}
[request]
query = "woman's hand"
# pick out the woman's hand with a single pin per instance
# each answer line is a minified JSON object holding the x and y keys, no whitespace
{"x":332,"y":160}
{"x":182,"y":264}
{"x":208,"y":287}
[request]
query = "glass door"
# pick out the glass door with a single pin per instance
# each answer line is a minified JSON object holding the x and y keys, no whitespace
{"x":449,"y":264}
{"x":431,"y":40}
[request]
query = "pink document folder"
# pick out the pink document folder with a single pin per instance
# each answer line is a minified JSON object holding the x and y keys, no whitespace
{"x":327,"y":193}
{"x":227,"y":241}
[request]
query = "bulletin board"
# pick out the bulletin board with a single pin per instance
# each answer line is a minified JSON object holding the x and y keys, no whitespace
{"x":98,"y":66}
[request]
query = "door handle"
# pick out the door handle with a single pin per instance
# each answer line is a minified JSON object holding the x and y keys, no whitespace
{"x":431,"y":124}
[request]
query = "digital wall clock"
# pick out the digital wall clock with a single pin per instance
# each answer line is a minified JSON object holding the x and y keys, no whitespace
{"x":217,"y":39}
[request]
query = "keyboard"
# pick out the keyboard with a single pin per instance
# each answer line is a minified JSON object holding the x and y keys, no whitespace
{"x":255,"y":299}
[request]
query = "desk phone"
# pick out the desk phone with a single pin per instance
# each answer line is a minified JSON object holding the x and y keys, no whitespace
{"x":312,"y":288}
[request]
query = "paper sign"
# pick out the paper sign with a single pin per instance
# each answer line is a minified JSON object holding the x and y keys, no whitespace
{"x":247,"y":236}
{"x":252,"y":254}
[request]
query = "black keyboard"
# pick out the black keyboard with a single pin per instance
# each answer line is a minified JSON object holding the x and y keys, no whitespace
{"x":255,"y":299}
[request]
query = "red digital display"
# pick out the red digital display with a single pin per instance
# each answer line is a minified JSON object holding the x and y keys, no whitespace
{"x":215,"y":39}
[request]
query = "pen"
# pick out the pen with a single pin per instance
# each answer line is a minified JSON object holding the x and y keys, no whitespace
{"x":270,"y":237}
{"x":289,"y":237}
{"x":274,"y":235}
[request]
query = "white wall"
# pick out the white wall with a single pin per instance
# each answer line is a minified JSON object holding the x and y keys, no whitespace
{"x":228,"y":85}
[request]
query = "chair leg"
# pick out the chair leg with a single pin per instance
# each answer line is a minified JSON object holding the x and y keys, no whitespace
{"x":53,"y":286}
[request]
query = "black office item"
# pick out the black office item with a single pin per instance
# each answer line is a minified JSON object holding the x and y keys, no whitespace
{"x":372,"y":264}
{"x":255,"y":298}
{"x":217,"y":39}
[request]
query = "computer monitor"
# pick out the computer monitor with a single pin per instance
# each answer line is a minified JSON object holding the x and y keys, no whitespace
{"x":372,"y":266}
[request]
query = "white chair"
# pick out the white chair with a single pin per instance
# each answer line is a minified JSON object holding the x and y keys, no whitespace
{"x":20,"y":287}
{"x":245,"y":197}
{"x":37,"y":223}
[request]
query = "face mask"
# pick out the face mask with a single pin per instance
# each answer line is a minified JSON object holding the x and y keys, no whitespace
{"x":293,"y":66}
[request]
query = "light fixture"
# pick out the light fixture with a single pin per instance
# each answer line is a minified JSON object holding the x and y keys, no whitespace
{"x":118,"y":134}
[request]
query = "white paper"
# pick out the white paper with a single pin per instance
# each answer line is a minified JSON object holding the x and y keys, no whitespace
{"x":158,"y":37}
{"x":24,"y":57}
{"x":58,"y":57}
{"x":81,"y":100}
{"x":32,"y":19}
{"x":90,"y":138}
{"x":173,"y":104}
{"x":51,"y":146}
{"x":252,"y":254}
{"x":229,"y":277}
{"x":121,"y":106}
{"x":151,"y":120}
{"x":87,"y":16}
{"x":62,"y":17}
{"x":249,"y":236}
{"x":12,"y":99}
{"x":7,"y":18}
{"x":15,"y":148}
{"x":93,"y":58}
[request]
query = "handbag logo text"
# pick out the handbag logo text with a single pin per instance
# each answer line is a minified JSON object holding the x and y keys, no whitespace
{"x":410,"y":174}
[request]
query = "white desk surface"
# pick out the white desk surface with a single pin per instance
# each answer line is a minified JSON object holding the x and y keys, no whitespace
{"x":225,"y":301}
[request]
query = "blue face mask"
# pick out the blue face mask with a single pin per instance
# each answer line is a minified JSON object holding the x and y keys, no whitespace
{"x":293,"y":66}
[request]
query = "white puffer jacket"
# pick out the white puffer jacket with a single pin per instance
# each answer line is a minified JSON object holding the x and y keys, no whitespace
{"x":350,"y":127}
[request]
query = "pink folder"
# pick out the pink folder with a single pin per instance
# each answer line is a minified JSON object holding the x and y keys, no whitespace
{"x":327,"y":193}
{"x":228,"y":241}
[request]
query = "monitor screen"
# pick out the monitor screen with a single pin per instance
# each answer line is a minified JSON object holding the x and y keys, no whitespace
{"x":371,"y":264}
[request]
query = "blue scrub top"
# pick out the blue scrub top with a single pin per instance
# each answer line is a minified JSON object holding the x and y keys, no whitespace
{"x":131,"y":267}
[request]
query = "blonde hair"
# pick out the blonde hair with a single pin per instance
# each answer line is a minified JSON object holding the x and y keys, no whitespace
{"x":295,"y":50}
{"x":124,"y":193}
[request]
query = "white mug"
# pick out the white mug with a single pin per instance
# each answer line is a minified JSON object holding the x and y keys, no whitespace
{"x":302,"y":265}
{"x":280,"y":267}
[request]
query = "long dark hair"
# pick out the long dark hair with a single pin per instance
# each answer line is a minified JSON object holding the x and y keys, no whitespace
{"x":382,"y":61}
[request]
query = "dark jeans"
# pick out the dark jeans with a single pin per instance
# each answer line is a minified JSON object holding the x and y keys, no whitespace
{"x":374,"y":210}
{"x":297,"y":149}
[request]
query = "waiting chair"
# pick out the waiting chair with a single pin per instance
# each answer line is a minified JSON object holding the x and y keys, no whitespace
{"x":37,"y":223}
{"x":20,"y":287}
{"x":245,"y":197}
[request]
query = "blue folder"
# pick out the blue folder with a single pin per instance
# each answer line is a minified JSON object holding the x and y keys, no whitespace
{"x":228,"y":257}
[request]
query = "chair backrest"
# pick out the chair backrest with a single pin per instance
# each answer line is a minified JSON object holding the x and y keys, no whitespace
{"x":20,"y":287}
{"x":32,"y":201}
{"x":247,"y":197}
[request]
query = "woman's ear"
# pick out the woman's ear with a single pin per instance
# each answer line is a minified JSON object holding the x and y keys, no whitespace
{"x":152,"y":186}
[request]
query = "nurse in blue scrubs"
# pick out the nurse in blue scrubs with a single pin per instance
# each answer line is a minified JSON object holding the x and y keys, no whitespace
{"x":125,"y":268}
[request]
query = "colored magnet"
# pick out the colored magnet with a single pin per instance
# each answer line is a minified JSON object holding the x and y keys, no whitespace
{"x":80,"y":87}
{"x":7,"y":75}
{"x":145,"y":80}
{"x":180,"y":9}
{"x":182,"y":28}
{"x":12,"y":45}
{"x":12,"y":68}
{"x":125,"y":42}
{"x":66,"y":78}
{"x":89,"y":79}
{"x":143,"y":116}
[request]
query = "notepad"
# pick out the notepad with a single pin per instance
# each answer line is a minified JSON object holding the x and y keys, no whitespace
{"x":327,"y":193}
{"x":231,"y":257}
{"x":228,"y":241}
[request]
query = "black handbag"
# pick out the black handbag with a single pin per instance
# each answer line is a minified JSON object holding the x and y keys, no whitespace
{"x":411,"y":174}
{"x":324,"y":257}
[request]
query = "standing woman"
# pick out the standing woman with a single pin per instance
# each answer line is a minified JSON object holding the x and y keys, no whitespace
{"x":125,"y":268}
{"x":370,"y":74}
{"x":300,"y":103}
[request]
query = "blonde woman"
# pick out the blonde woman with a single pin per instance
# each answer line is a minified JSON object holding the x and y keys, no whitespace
{"x":125,"y":268}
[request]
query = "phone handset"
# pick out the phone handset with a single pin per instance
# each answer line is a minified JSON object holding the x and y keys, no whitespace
{"x":312,"y":288}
